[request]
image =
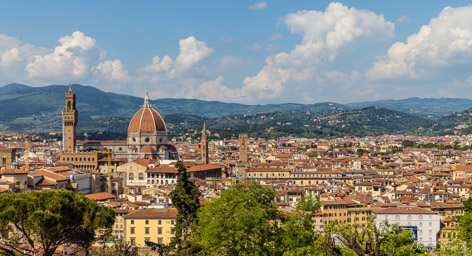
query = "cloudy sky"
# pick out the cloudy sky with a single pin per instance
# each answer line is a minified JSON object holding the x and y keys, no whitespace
{"x":243,"y":51}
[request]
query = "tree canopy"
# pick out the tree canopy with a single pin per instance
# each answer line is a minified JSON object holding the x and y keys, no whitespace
{"x":185,"y":199}
{"x":38,"y":222}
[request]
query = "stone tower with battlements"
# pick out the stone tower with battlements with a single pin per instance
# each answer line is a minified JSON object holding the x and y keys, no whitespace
{"x":69,"y":122}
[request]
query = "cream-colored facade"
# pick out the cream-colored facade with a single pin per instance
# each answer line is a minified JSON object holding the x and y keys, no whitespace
{"x":151,"y":224}
{"x":7,"y":157}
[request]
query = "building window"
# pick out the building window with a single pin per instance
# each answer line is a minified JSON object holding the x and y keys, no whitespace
{"x":409,"y":217}
{"x":140,"y":176}
{"x":159,"y":240}
{"x":132,"y":231}
{"x":159,"y":222}
{"x":172,"y":222}
{"x":397,"y":217}
{"x":172,"y":231}
{"x":146,"y":239}
{"x":132,"y":222}
{"x":146,"y":230}
{"x":159,"y":230}
{"x":132,"y":240}
{"x":131,"y":176}
{"x":4,"y":160}
{"x":147,"y":222}
{"x":430,"y":224}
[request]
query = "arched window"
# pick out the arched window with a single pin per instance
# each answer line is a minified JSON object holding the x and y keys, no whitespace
{"x":397,"y":217}
{"x":409,"y":217}
{"x":69,"y":105}
{"x":131,"y":176}
{"x":140,"y":176}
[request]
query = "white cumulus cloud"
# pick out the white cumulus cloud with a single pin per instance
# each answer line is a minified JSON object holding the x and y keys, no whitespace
{"x":72,"y":59}
{"x":111,"y":70}
{"x":258,"y":6}
{"x":192,"y":51}
{"x":15,"y":54}
{"x":324,"y":36}
{"x":440,"y":47}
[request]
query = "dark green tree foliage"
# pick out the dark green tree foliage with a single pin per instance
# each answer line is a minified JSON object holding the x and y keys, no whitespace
{"x":38,"y":222}
{"x":468,"y":205}
{"x":408,"y":144}
{"x":465,"y":227}
{"x":297,"y":236}
{"x":243,"y":221}
{"x":185,"y":198}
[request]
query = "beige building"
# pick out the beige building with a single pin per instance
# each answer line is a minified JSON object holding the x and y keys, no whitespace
{"x":18,"y":177}
{"x":151,"y":224}
{"x":7,"y":157}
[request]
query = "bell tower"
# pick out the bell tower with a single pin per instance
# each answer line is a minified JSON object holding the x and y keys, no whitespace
{"x":204,"y":146}
{"x":69,"y":122}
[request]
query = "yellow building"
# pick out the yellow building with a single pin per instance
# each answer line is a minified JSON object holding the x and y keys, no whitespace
{"x":268,"y":173}
{"x":151,"y":224}
{"x":448,"y":232}
{"x":118,"y":226}
{"x":345,"y":211}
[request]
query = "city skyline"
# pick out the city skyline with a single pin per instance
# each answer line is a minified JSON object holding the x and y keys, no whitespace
{"x":245,"y":51}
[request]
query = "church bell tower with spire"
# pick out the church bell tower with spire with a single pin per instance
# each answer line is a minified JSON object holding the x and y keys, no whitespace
{"x":204,"y":145}
{"x":69,"y":122}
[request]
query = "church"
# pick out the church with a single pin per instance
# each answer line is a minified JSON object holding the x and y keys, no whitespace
{"x":147,"y":138}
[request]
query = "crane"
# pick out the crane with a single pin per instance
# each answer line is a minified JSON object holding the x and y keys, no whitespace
{"x":109,"y":168}
{"x":27,"y":140}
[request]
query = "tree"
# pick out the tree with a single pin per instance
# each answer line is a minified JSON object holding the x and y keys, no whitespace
{"x":353,"y":239}
{"x":360,"y":151}
{"x":38,"y":222}
{"x":408,"y":144}
{"x":468,"y":205}
{"x":243,"y":221}
{"x":297,"y":236}
{"x":185,"y":198}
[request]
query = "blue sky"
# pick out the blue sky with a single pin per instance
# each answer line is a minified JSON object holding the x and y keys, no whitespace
{"x":243,"y":51}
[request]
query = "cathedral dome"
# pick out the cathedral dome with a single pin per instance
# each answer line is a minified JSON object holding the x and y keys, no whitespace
{"x":147,"y":120}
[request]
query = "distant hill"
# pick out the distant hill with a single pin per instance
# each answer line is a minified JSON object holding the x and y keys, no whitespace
{"x":336,"y":123}
{"x":457,"y":123}
{"x":38,"y":109}
{"x":425,"y":107}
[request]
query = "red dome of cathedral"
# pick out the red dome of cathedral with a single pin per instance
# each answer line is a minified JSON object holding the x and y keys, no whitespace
{"x":147,"y":120}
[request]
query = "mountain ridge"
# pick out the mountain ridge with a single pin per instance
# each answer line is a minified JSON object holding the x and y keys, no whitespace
{"x":38,"y":109}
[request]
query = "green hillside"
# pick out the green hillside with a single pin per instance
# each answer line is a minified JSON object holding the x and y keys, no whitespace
{"x":425,"y":107}
{"x":38,"y":109}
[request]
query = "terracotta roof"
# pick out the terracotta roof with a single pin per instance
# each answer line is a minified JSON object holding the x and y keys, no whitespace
{"x":163,"y":168}
{"x":147,"y":120}
{"x":13,"y":171}
{"x":147,"y":149}
{"x":404,"y":210}
{"x":59,"y":169}
{"x":204,"y":167}
{"x":146,"y":162}
{"x":252,"y":169}
{"x":49,"y":174}
{"x":100,"y":196}
{"x":152,"y":213}
{"x":46,"y":182}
